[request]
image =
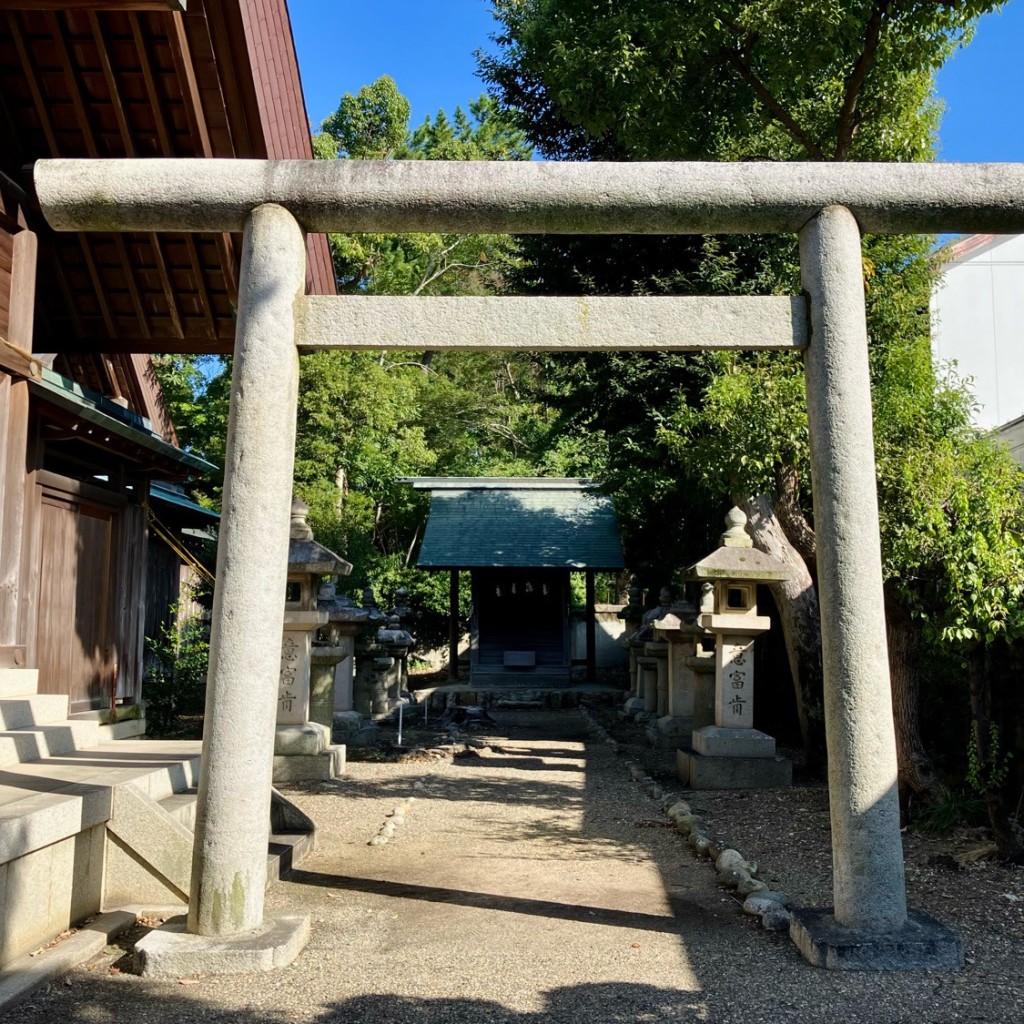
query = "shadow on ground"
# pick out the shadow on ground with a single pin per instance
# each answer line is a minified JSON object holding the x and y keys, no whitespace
{"x":575,"y":1004}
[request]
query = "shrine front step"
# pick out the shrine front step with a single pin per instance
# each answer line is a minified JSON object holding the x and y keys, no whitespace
{"x":531,"y":680}
{"x":518,"y":697}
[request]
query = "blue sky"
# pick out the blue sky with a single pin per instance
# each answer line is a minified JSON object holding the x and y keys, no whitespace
{"x":427,"y":47}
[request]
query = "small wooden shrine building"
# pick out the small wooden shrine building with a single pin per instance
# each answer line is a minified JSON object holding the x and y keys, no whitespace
{"x":519,"y":538}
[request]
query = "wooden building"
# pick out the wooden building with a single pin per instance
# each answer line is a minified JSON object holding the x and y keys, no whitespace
{"x":84,"y":431}
{"x":520,"y":538}
{"x":87,"y":454}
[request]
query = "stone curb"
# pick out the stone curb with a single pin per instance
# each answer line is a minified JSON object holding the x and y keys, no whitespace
{"x":734,"y":871}
{"x":24,"y":975}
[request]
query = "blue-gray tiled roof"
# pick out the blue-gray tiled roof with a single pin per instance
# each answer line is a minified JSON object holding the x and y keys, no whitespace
{"x":513,"y":522}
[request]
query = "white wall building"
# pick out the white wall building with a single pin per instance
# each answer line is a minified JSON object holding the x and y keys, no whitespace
{"x":978,"y":321}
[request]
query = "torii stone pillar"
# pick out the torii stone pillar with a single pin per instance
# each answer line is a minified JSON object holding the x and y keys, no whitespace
{"x":869,"y":927}
{"x":229,"y":865}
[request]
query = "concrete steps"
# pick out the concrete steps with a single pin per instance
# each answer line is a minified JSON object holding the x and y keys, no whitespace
{"x":55,"y":855}
{"x":182,"y":807}
{"x":24,"y":711}
{"x":94,"y":818}
{"x":34,"y":743}
{"x":35,"y":726}
{"x":18,"y":682}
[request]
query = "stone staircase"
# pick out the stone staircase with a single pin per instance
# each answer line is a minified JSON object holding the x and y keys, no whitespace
{"x":93,"y":817}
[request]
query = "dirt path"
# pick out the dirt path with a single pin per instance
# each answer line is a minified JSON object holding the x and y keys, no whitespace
{"x":529,"y":882}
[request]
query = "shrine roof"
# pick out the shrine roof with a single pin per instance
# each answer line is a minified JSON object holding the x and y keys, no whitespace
{"x":516,"y":522}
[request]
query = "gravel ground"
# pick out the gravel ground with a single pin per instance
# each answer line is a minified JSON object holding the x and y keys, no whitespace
{"x":530,"y":881}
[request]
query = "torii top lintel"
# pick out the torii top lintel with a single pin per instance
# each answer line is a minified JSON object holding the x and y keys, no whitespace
{"x":529,"y":197}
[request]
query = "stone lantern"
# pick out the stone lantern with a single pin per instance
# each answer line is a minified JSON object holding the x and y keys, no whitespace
{"x":368,"y":653}
{"x":405,"y":616}
{"x":732,"y":754}
{"x":649,"y":656}
{"x":679,"y":630}
{"x":395,"y":643}
{"x":302,"y":746}
{"x":333,"y":654}
{"x":631,"y":615}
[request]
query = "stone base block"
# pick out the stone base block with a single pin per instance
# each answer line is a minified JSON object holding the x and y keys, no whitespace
{"x":670,"y":732}
{"x":715,"y":741}
{"x":306,"y":738}
{"x":328,"y":764}
{"x":700,"y":772}
{"x":634,"y":704}
{"x":348,"y":721}
{"x":923,"y":944}
{"x":171,"y":951}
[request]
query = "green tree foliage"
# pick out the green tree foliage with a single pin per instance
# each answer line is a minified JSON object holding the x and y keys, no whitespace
{"x":770,"y":80}
{"x":702,"y":80}
{"x":174,"y":687}
{"x":197,"y":390}
{"x":374,"y":124}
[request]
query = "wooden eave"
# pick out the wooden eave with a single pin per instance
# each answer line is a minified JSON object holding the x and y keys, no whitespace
{"x":100,"y":80}
{"x":94,"y":420}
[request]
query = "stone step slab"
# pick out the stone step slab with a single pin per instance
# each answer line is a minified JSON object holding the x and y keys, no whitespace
{"x":33,"y":709}
{"x":182,"y":807}
{"x":19,"y":746}
{"x":62,"y":798}
{"x":18,"y":682}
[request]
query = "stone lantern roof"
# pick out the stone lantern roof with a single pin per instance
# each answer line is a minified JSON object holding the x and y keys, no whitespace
{"x":339,"y":607}
{"x":305,"y":554}
{"x":737,"y":559}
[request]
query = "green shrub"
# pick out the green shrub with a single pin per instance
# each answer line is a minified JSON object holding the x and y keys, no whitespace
{"x":951,"y":809}
{"x":175,"y":683}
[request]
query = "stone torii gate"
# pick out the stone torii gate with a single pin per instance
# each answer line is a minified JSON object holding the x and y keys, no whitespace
{"x":273,"y":203}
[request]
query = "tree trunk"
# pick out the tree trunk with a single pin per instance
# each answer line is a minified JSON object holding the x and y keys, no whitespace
{"x":978,"y":672}
{"x":916,"y":773}
{"x":797,"y":600}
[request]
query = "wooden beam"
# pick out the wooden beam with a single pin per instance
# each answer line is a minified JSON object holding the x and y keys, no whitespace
{"x":13,"y":511}
{"x":193,"y":103}
{"x":94,"y":5}
{"x":42,"y":111}
{"x":21,"y":316}
{"x":64,"y":345}
{"x":76,"y":91}
{"x":19,"y":361}
{"x":129,"y":150}
{"x":38,"y":100}
{"x":152,"y":92}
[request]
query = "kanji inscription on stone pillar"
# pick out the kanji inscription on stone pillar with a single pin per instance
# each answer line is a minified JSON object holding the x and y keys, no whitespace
{"x":293,"y":683}
{"x":735,"y":692}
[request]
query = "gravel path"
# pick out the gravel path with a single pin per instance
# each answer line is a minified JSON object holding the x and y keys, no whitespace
{"x":529,"y":881}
